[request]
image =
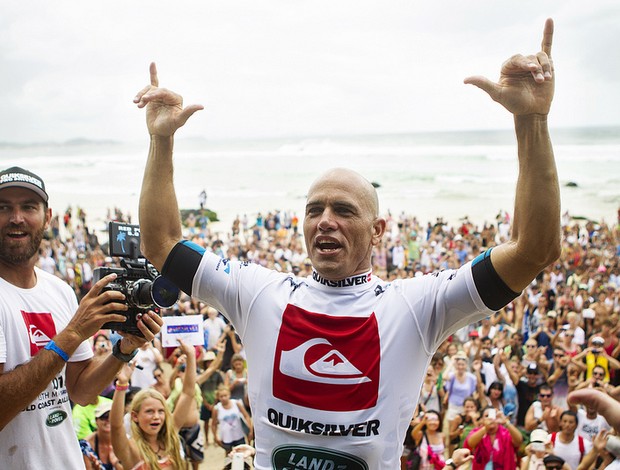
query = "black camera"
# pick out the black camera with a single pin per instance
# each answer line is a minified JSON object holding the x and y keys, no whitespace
{"x":144,"y":288}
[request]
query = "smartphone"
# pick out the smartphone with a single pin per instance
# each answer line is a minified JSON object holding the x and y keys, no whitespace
{"x":613,"y":445}
{"x":492,"y":414}
{"x":237,"y":461}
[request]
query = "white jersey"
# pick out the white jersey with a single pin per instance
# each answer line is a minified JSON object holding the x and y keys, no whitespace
{"x":41,"y":435}
{"x":589,"y":428}
{"x":335,"y":367}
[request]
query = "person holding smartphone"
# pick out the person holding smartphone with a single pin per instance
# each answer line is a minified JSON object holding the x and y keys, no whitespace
{"x":495,"y":442}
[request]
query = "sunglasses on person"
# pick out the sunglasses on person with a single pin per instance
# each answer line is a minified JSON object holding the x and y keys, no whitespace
{"x":545,"y":395}
{"x":598,"y":374}
{"x":104,"y":416}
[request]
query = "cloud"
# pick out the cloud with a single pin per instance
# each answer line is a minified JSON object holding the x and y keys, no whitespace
{"x":277,"y":67}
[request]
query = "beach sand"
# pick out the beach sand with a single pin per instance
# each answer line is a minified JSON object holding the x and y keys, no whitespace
{"x":214,"y":458}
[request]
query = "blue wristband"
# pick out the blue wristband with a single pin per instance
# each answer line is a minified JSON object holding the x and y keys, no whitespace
{"x":51,"y":346}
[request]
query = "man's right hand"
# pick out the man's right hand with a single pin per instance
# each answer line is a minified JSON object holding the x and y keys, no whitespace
{"x":526,"y":83}
{"x":97,"y":308}
{"x":164,"y":108}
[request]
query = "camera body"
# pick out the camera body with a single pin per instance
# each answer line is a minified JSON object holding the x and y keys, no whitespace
{"x":138,"y":280}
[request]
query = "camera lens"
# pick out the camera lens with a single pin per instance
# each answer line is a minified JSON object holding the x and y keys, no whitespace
{"x":164,"y":293}
{"x":140,"y":294}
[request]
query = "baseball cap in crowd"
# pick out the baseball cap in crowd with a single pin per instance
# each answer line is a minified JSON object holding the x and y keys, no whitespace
{"x":532,"y":368}
{"x":552,"y":461}
{"x":209,"y":356}
{"x":474,"y":334}
{"x":540,"y":435}
{"x":598,"y":340}
{"x":103,"y":408}
{"x":552,"y":314}
{"x":460,"y":355}
{"x":16,"y":176}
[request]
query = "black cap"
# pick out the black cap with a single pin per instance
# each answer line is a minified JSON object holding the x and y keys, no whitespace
{"x":16,"y":176}
{"x":532,"y":368}
{"x":550,"y":459}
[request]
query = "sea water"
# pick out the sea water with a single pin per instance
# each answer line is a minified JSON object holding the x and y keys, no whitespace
{"x":449,"y":174}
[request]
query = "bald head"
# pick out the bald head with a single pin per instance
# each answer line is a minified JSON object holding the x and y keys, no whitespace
{"x":342,"y":224}
{"x":346,"y":177}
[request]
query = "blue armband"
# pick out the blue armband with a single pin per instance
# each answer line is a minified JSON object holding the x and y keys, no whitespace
{"x":51,"y":346}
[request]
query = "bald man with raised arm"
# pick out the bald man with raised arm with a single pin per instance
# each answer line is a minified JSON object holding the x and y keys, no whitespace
{"x":325,"y":352}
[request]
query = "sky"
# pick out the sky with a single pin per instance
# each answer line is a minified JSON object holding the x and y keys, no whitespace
{"x":280,"y":68}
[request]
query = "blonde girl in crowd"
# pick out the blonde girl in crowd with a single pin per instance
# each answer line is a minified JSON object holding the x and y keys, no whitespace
{"x":154,"y":443}
{"x":228,"y":416}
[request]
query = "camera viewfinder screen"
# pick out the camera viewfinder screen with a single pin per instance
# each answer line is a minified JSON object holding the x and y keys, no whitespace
{"x":124,"y":240}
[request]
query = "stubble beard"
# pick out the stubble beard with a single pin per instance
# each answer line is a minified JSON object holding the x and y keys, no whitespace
{"x":21,"y":255}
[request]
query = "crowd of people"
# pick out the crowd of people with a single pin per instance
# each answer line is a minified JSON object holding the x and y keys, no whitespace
{"x":560,"y":335}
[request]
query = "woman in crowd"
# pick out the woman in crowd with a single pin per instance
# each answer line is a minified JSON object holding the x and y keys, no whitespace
{"x":236,"y":378}
{"x":565,"y":340}
{"x":97,"y":447}
{"x":161,"y":384}
{"x":494,"y":396}
{"x":451,"y":350}
{"x":535,"y":355}
{"x":495,"y":442}
{"x":463,"y":423}
{"x":102,"y":347}
{"x":430,"y":441}
{"x":430,"y":396}
{"x":459,"y":386}
{"x":154,"y":443}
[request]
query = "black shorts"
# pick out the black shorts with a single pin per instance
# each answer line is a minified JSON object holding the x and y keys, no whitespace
{"x":193,"y":443}
{"x":205,"y":413}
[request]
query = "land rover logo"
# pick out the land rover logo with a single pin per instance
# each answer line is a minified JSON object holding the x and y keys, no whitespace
{"x":55,"y":418}
{"x":298,"y":458}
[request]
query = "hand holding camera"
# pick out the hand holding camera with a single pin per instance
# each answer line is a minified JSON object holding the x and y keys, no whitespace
{"x":143,"y":289}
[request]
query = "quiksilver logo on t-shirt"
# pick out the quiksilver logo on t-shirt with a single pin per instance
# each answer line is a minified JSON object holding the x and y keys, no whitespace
{"x":326,"y":362}
{"x":41,"y":328}
{"x":346,"y":282}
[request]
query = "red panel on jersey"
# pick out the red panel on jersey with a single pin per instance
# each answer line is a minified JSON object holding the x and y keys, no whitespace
{"x":326,"y":362}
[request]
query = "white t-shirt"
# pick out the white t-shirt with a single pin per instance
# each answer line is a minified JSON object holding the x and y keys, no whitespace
{"x":42,"y":433}
{"x":580,"y":336}
{"x":214,"y":327}
{"x":570,"y":452}
{"x":589,"y":428}
{"x":144,"y":378}
{"x":335,"y":368}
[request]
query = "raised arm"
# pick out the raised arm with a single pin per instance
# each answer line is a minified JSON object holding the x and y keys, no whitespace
{"x":525,"y":88}
{"x":185,"y":411}
{"x":160,"y":222}
{"x":125,"y":450}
